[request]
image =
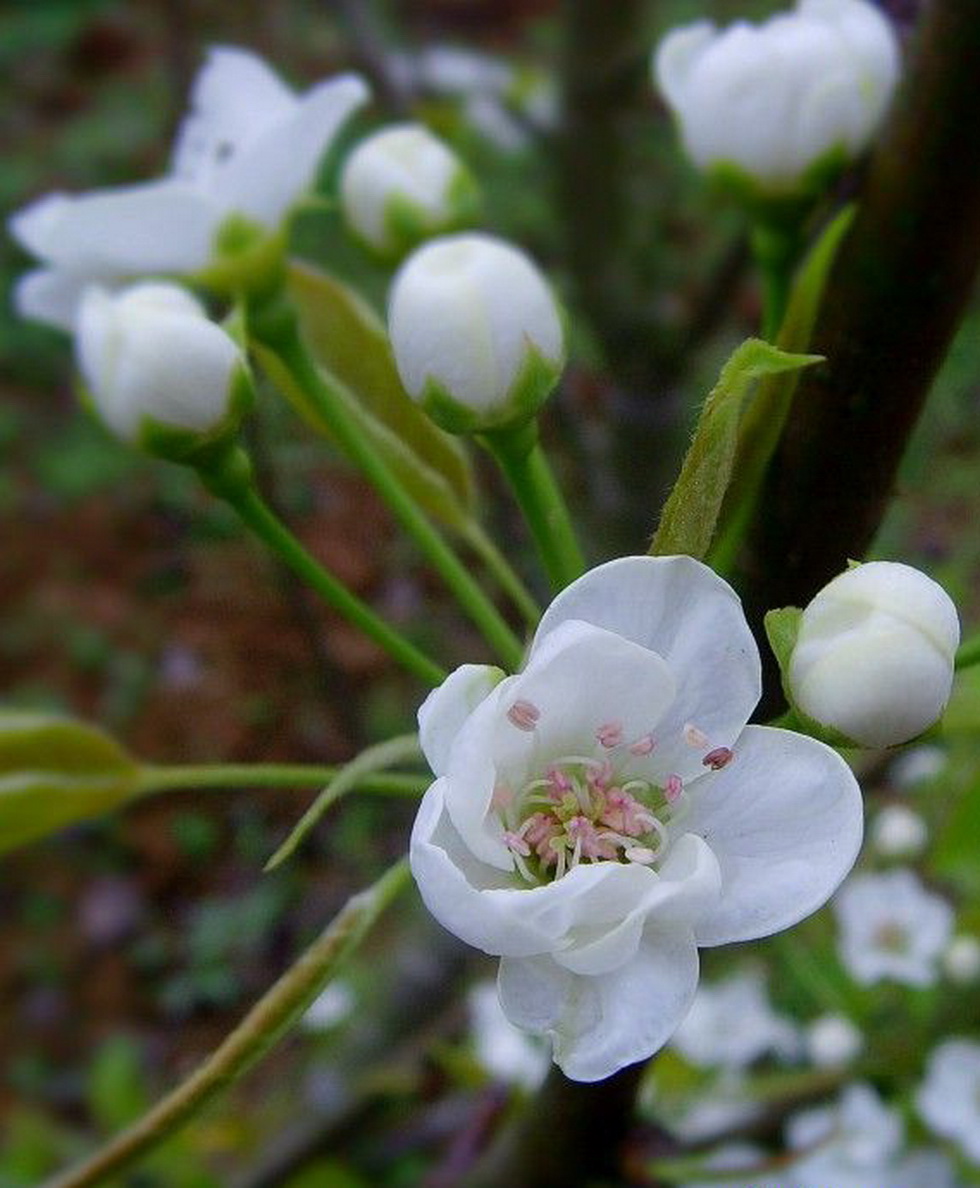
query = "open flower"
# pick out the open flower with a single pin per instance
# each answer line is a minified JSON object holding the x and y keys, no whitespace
{"x":949,"y":1098}
{"x":249,"y":147}
{"x":602,"y":813}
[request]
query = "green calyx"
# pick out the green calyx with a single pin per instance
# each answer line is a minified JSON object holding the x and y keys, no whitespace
{"x":247,"y":258}
{"x":787,"y":205}
{"x":188,"y":446}
{"x":408,"y":223}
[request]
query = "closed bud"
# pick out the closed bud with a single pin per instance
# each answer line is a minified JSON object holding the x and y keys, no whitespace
{"x":403,"y":185}
{"x":476,"y":333}
{"x":777,"y":107}
{"x":158,"y":371}
{"x":874,"y":655}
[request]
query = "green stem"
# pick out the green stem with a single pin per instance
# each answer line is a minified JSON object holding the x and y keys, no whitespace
{"x":228,"y":474}
{"x":272,"y":775}
{"x":508,"y":579}
{"x":278,"y":328}
{"x":968,"y":653}
{"x":776,"y":249}
{"x":520,"y":456}
{"x":257,"y":1033}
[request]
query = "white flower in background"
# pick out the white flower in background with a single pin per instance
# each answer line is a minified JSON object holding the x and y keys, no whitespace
{"x":832,"y":1041}
{"x":331,"y":1007}
{"x":505,"y":1052}
{"x":891,"y":927}
{"x":476,"y":333}
{"x":874,"y":655}
{"x":898,"y":832}
{"x":605,"y":811}
{"x":917,"y":765}
{"x":403,"y":185}
{"x":776,"y":101}
{"x":732,"y":1023}
{"x":723,"y":1106}
{"x":949,"y":1098}
{"x":733,"y":1157}
{"x":152,"y":360}
{"x":961,"y":960}
{"x":250,"y":147}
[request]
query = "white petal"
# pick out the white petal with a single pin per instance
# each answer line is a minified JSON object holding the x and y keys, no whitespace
{"x":271,"y":171}
{"x":600,"y":1024}
{"x":49,"y":295}
{"x":159,"y":226}
{"x":676,"y":56}
{"x":784,"y":820}
{"x":684,"y":612}
{"x":447,"y":707}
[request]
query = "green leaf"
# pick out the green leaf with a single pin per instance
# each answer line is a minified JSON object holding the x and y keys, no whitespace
{"x":55,"y":772}
{"x":762,"y":426}
{"x":687,"y":523}
{"x":350,"y":342}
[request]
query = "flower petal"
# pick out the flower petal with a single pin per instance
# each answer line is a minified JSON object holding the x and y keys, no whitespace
{"x":49,"y":295}
{"x":447,"y":707}
{"x":785,"y":820}
{"x":680,"y":609}
{"x":600,"y":1024}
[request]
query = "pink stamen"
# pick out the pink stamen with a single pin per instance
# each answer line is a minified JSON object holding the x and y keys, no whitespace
{"x":588,"y":842}
{"x":718,"y":758}
{"x":599,"y":775}
{"x":625,"y":814}
{"x":642,"y":746}
{"x":558,"y":783}
{"x":673,"y":787}
{"x":515,"y":842}
{"x":524,"y":715}
{"x":610,"y":734}
{"x":641,"y":854}
{"x":694,"y":737}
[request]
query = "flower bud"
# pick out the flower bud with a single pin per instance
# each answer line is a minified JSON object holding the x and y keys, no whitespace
{"x":159,"y":372}
{"x":476,"y":333}
{"x":874,"y":654}
{"x":780,"y":105}
{"x":403,"y":185}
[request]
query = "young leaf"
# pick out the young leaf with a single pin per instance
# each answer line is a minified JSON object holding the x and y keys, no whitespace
{"x":687,"y":523}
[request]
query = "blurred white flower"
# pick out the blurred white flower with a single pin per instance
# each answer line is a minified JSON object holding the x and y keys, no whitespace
{"x":898,"y":832}
{"x":961,"y":960}
{"x":779,"y":100}
{"x":476,"y":332}
{"x":725,"y":1105}
{"x":249,"y":147}
{"x":732,"y":1157}
{"x":891,"y":927}
{"x":505,"y":1052}
{"x":332,"y":1006}
{"x":832,"y":1041}
{"x":732,"y":1023}
{"x":916,"y":765}
{"x":594,"y":832}
{"x":874,"y":655}
{"x":949,"y":1098}
{"x":155,"y":366}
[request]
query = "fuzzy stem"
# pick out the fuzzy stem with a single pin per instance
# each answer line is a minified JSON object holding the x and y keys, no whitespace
{"x":154,"y":779}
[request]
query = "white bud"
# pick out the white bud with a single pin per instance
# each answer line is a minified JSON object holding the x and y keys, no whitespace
{"x":832,"y":1041}
{"x":476,"y":333}
{"x":155,"y":366}
{"x":776,"y":102}
{"x":961,"y":960}
{"x":898,"y":832}
{"x":403,"y":185}
{"x":874,"y":655}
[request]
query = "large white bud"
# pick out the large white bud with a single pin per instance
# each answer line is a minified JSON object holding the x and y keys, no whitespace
{"x":158,"y":371}
{"x":476,"y":333}
{"x":874,"y":655}
{"x":781,"y":104}
{"x":403,"y":185}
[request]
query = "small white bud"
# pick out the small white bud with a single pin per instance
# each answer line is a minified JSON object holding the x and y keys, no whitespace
{"x":403,"y":185}
{"x":898,"y":832}
{"x":159,"y":372}
{"x":874,"y":655}
{"x":476,"y":333}
{"x":961,"y":960}
{"x":832,"y":1041}
{"x":778,"y":104}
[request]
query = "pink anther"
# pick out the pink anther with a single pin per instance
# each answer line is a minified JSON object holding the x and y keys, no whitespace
{"x":673,"y":787}
{"x":524,"y":715}
{"x":695,"y":737}
{"x":718,"y":758}
{"x":610,"y":734}
{"x":642,"y":746}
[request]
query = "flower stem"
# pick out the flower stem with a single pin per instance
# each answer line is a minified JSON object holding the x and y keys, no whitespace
{"x":968,"y":653}
{"x":261,"y":1028}
{"x":776,"y":248}
{"x":154,"y":779}
{"x":277,"y":327}
{"x":520,"y":456}
{"x":507,"y":577}
{"x":228,"y":474}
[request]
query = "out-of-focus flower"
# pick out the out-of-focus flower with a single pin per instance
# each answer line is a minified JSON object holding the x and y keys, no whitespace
{"x":476,"y":333}
{"x":708,"y":1036}
{"x":949,"y":1098}
{"x":916,"y":765}
{"x":331,"y":1007}
{"x":898,"y":832}
{"x":874,"y":655}
{"x":249,"y":148}
{"x":403,"y":185}
{"x":158,"y":371}
{"x":891,"y":927}
{"x":783,"y":103}
{"x":832,"y":1041}
{"x":961,"y":960}
{"x":505,"y":1052}
{"x":593,"y":832}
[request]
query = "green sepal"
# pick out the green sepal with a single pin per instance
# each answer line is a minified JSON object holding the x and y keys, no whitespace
{"x":535,"y":381}
{"x":55,"y":772}
{"x":779,"y":205}
{"x":407,"y":224}
{"x":687,"y":523}
{"x":247,"y":258}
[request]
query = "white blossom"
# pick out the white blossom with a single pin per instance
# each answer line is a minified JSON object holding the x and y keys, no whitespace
{"x":332,"y":1006}
{"x":605,"y":811}
{"x":778,"y":100}
{"x":707,"y":1035}
{"x":832,"y":1041}
{"x":249,"y":147}
{"x":504,"y":1051}
{"x":949,"y":1098}
{"x":874,"y":654}
{"x":898,"y":832}
{"x":891,"y":927}
{"x":961,"y":959}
